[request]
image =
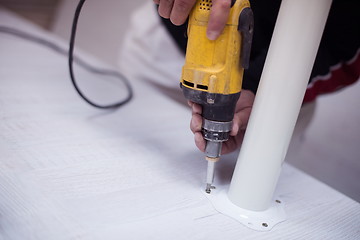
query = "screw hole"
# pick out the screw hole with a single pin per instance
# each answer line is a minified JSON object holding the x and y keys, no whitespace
{"x":265,"y":225}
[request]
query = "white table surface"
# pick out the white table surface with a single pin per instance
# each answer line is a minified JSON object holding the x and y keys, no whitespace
{"x":69,"y":171}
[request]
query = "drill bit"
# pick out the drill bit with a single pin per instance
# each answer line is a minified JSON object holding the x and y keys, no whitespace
{"x":210,"y":174}
{"x":212,"y":150}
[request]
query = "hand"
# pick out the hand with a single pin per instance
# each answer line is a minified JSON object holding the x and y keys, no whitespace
{"x":178,"y":11}
{"x":241,"y":118}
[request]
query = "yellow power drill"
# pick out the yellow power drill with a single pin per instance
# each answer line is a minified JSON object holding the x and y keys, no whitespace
{"x":213,"y":72}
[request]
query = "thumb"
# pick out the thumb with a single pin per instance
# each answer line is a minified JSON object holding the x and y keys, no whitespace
{"x":218,"y":17}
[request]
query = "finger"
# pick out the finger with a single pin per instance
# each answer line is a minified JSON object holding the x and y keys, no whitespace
{"x":180,"y":11}
{"x":196,"y":108}
{"x":228,"y":147}
{"x":165,"y":7}
{"x":236,"y":125}
{"x":156,"y":2}
{"x":190,"y":103}
{"x":218,"y":17}
{"x":244,"y":117}
{"x":233,"y":143}
{"x":199,"y":141}
{"x":196,"y":123}
{"x":240,"y":121}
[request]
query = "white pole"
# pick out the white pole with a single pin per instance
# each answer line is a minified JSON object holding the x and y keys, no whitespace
{"x":287,"y":69}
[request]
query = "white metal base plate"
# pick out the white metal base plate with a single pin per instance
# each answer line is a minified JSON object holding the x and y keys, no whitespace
{"x":260,"y":221}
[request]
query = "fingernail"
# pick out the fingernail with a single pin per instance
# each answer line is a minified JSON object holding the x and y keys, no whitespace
{"x":195,"y":124}
{"x":235,"y":130}
{"x":199,"y":141}
{"x":212,"y":35}
{"x":198,"y":137}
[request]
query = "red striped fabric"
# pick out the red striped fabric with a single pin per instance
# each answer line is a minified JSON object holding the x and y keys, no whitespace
{"x":340,"y":76}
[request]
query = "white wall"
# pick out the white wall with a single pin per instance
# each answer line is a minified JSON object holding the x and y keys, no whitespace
{"x":101,"y":25}
{"x":38,"y":11}
{"x":331,"y":148}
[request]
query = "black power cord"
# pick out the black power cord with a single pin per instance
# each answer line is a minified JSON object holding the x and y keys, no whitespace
{"x":72,"y":59}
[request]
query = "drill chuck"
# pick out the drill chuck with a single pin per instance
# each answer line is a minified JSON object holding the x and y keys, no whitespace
{"x":215,"y":133}
{"x":213,"y":150}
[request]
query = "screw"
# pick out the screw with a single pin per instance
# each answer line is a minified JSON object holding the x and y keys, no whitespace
{"x":265,"y":225}
{"x":208,"y":188}
{"x":278,"y":201}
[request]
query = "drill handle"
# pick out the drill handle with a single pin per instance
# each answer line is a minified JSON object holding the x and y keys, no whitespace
{"x":246,"y":29}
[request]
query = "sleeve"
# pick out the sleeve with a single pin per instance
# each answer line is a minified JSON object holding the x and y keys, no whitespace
{"x":337,"y":63}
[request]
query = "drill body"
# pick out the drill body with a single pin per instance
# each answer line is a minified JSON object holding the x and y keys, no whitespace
{"x":213,"y":72}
